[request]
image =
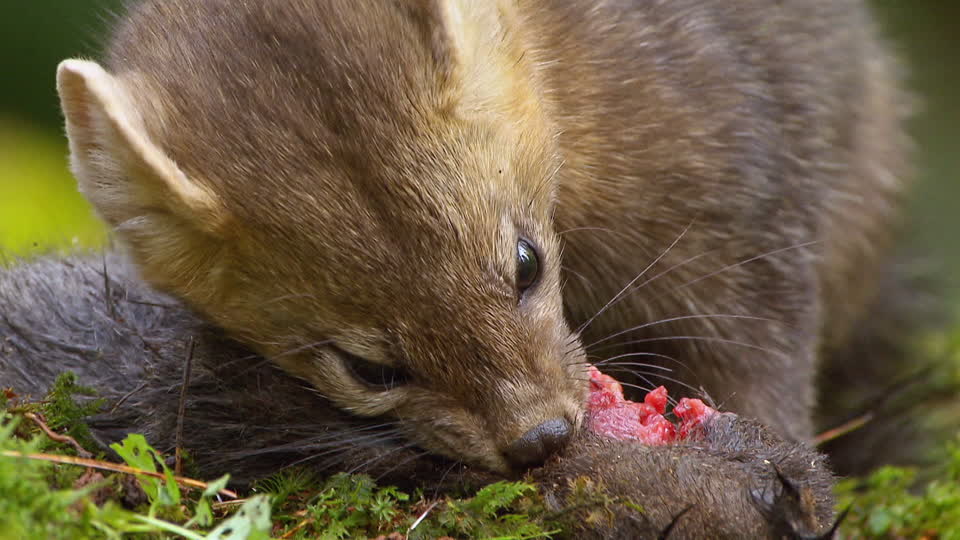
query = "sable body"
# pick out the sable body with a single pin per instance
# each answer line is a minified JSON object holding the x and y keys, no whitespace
{"x":339,"y":184}
{"x":781,"y":156}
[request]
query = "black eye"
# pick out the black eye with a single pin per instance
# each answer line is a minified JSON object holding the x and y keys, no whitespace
{"x":528,"y":266}
{"x":373,"y":374}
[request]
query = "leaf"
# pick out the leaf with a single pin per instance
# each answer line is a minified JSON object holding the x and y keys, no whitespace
{"x":134,"y":451}
{"x":202,"y":512}
{"x":880,"y":522}
{"x":251,"y":522}
{"x":137,"y":453}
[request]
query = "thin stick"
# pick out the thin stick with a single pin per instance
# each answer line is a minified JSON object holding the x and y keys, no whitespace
{"x":842,"y":429}
{"x":57,"y":437}
{"x":114,"y":467}
{"x":301,"y":525}
{"x":182,"y":409}
{"x":111,"y":310}
{"x":422,"y":517}
{"x":126,"y":396}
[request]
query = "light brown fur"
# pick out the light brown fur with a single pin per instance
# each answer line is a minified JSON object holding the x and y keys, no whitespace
{"x":360,"y":171}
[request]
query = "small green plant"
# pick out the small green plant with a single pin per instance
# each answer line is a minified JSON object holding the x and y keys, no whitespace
{"x":64,"y":412}
{"x":284,"y":486}
{"x":29,"y":508}
{"x":887,"y":504}
{"x":504,"y":510}
{"x":352,"y":505}
{"x":135,"y":451}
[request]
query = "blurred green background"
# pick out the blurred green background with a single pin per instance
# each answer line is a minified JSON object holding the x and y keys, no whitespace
{"x":39,"y":206}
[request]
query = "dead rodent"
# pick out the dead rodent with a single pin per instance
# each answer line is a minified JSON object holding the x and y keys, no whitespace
{"x":736,"y":479}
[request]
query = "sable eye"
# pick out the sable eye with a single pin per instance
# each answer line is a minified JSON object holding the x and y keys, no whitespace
{"x":528,"y":266}
{"x":375,"y":375}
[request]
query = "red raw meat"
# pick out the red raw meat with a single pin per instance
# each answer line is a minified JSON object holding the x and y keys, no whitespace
{"x":613,"y":416}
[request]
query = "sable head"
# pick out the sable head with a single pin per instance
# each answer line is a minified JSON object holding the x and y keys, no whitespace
{"x":361,"y":191}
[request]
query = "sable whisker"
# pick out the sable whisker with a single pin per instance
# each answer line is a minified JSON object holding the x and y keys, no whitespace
{"x":674,"y":319}
{"x":660,"y":376}
{"x":617,"y":296}
{"x":699,"y":338}
{"x":745,"y":261}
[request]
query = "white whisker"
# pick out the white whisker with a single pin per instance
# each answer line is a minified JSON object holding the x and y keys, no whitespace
{"x":673,"y":319}
{"x":626,"y":287}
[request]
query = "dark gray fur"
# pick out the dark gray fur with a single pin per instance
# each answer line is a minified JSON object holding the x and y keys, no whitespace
{"x":93,"y":316}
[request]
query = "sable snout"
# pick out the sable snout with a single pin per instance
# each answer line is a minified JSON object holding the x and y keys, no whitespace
{"x":538,"y":444}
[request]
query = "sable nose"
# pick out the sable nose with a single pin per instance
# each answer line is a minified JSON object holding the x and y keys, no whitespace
{"x":541,"y":442}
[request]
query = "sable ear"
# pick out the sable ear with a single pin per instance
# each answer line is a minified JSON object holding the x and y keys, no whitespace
{"x":468,"y":28}
{"x":481,"y":47}
{"x":126,"y":177}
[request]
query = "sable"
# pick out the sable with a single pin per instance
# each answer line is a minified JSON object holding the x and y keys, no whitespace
{"x":431,"y":214}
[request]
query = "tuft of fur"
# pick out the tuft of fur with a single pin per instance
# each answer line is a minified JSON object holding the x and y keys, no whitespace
{"x":246,"y":417}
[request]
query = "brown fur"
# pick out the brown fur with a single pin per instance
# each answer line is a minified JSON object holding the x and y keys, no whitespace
{"x":360,"y":171}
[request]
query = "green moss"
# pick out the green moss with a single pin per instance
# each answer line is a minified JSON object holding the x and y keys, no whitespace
{"x":503,"y":510}
{"x":889,"y":504}
{"x":29,"y":508}
{"x":911,"y":502}
{"x":288,"y":487}
{"x":65,"y":414}
{"x":353,"y":506}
